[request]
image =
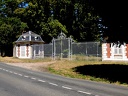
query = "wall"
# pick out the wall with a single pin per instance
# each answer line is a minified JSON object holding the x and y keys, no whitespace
{"x":23,"y":51}
{"x":114,"y":52}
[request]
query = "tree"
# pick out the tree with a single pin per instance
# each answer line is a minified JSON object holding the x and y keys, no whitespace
{"x":10,"y":25}
{"x":8,"y":7}
{"x":85,"y":22}
{"x":39,"y":19}
{"x":51,"y":29}
{"x":78,"y":17}
{"x":10,"y":29}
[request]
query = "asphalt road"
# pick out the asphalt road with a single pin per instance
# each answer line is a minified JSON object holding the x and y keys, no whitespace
{"x":16,"y":81}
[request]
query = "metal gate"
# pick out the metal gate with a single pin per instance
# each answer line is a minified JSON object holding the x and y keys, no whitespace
{"x":61,"y":47}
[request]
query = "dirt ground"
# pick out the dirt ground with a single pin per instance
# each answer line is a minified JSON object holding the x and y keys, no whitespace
{"x":37,"y":66}
{"x":33,"y":66}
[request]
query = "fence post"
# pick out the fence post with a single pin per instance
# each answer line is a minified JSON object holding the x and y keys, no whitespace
{"x":61,"y":53}
{"x":53,"y":49}
{"x":86,"y":50}
{"x":69,"y":48}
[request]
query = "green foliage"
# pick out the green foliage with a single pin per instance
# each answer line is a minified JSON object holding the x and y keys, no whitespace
{"x":82,"y":26}
{"x":8,"y":7}
{"x":85,"y":25}
{"x":51,"y":29}
{"x":9,"y":29}
{"x":48,"y":18}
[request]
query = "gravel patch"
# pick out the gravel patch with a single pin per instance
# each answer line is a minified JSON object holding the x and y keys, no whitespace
{"x":34,"y":66}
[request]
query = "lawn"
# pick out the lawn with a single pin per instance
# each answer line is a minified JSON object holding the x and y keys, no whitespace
{"x":109,"y":72}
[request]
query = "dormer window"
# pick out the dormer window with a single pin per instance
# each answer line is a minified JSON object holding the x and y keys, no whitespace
{"x":23,"y":37}
{"x":30,"y":37}
{"x":36,"y":38}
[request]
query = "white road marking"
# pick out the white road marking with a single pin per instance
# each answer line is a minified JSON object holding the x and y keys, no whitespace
{"x":33,"y":78}
{"x":6,"y":70}
{"x":66,"y":87}
{"x":45,"y":81}
{"x":15,"y":73}
{"x":85,"y":92}
{"x":10,"y":71}
{"x":26,"y":76}
{"x":41,"y":80}
{"x":20,"y":74}
{"x":53,"y":84}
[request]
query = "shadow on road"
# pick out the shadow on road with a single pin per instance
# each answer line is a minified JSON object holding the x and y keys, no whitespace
{"x":111,"y":72}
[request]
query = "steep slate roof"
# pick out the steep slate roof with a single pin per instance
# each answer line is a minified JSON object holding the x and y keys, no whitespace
{"x":30,"y":37}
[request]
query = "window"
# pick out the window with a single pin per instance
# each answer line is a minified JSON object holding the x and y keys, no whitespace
{"x":22,"y":50}
{"x":117,"y":50}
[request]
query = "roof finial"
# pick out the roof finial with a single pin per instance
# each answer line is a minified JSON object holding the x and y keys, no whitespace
{"x":61,"y":35}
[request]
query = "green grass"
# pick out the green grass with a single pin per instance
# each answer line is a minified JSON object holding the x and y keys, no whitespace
{"x":68,"y":68}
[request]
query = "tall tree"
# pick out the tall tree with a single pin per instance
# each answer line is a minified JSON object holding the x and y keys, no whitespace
{"x":10,"y":26}
{"x":78,"y":17}
{"x":38,"y":17}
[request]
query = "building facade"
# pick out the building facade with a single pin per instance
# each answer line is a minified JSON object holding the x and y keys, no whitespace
{"x":29,"y":45}
{"x":117,"y":52}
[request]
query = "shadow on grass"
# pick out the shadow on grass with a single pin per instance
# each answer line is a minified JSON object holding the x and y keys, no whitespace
{"x":111,"y":72}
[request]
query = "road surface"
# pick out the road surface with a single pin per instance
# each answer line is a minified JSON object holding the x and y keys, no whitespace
{"x":16,"y":81}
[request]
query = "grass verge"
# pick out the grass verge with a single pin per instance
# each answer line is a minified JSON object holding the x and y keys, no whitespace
{"x":16,"y":60}
{"x":107,"y":72}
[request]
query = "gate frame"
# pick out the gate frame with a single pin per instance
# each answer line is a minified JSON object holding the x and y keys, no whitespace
{"x":61,"y":37}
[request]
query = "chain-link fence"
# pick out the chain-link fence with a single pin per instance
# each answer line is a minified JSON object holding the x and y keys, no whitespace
{"x":48,"y":50}
{"x":86,"y":50}
{"x":38,"y":51}
{"x":65,"y":48}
